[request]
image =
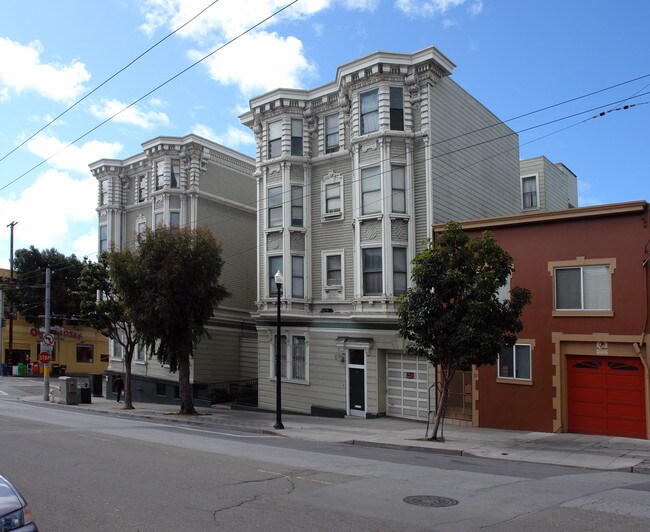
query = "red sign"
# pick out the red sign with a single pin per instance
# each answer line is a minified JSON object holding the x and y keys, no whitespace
{"x":410,"y":375}
{"x":44,"y":358}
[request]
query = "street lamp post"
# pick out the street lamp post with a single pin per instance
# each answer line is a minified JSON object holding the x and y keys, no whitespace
{"x":278,"y":355}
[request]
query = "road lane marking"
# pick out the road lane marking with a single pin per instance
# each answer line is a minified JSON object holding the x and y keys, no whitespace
{"x":315,"y":480}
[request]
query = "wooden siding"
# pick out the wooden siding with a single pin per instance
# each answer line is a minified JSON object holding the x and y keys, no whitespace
{"x":333,"y":234}
{"x":217,"y":357}
{"x":228,"y":183}
{"x":236,"y":230}
{"x":420,"y":193}
{"x":475,"y":172}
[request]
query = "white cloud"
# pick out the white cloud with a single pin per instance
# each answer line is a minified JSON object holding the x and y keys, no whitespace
{"x":476,"y":8}
{"x":227,"y":18}
{"x":233,"y":137}
{"x":132,"y":115}
{"x":47,"y":209}
{"x":279,"y":62}
{"x":21,"y":70}
{"x":428,"y":8}
{"x":73,"y":158}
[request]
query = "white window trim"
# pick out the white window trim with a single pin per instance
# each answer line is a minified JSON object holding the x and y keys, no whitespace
{"x":382,"y":294}
{"x":325,"y":133}
{"x":281,"y":207}
{"x":371,"y":215}
{"x":518,"y":380}
{"x":289,"y":335}
{"x":521,"y":188}
{"x":329,"y":289}
{"x":331,"y":179}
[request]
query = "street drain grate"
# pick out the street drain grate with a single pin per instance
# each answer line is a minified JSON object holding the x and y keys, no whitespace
{"x":432,"y":501}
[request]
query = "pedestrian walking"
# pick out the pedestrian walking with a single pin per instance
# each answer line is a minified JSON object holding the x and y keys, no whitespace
{"x":118,"y":386}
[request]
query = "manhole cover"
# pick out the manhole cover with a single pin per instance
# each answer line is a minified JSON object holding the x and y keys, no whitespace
{"x":432,"y":501}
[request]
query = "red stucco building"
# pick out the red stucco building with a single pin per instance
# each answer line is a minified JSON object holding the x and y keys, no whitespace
{"x":581,"y":362}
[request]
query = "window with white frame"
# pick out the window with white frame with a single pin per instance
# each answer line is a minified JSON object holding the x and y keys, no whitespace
{"x":369,"y":119}
{"x":103,"y":199}
{"x":297,"y":276}
{"x":158,"y":220}
{"x":296,"y":137}
{"x":176,"y":173}
{"x":372,"y":271}
{"x":275,"y":139}
{"x":274,"y":201}
{"x":160,"y":175}
{"x":275,"y":265}
{"x":294,"y":366}
{"x":331,"y":133}
{"x":397,"y":108}
{"x":399,"y":270}
{"x":103,"y":238}
{"x":142,"y":188}
{"x":174,"y":219}
{"x":583,"y":288}
{"x":296,"y":206}
{"x":333,"y":198}
{"x":333,"y":270}
{"x":529,"y":192}
{"x":398,"y":185}
{"x":515,"y":362}
{"x":370,"y":190}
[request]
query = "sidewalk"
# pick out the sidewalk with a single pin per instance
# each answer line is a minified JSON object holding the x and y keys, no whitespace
{"x":577,"y":450}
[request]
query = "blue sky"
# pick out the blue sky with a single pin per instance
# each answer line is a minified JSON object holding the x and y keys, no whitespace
{"x":514,"y":56}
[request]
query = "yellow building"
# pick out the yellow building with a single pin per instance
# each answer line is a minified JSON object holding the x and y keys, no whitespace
{"x":78,"y":350}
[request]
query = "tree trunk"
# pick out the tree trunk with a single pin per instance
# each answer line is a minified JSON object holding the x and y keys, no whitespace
{"x":128,"y":401}
{"x":442,"y":405}
{"x":187,"y":401}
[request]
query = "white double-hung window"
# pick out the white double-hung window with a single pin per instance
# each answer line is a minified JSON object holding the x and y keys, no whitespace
{"x":293,"y":367}
{"x":370,"y":190}
{"x":369,"y":115}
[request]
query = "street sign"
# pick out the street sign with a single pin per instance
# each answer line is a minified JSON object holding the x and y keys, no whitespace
{"x":48,"y":339}
{"x":44,"y":358}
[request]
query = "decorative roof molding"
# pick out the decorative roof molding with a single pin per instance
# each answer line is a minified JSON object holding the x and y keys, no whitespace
{"x":611,"y":209}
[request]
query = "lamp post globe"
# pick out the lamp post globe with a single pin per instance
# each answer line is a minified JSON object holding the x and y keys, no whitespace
{"x":279,"y":279}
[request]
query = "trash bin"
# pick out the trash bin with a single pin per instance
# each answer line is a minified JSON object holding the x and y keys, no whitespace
{"x":5,"y":370}
{"x":21,"y":369}
{"x":63,"y":369}
{"x":84,"y":395}
{"x":54,"y":370}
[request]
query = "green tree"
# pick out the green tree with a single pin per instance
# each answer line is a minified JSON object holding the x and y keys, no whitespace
{"x":170,"y":286}
{"x":28,"y":293}
{"x":453,"y":315}
{"x":103,"y":308}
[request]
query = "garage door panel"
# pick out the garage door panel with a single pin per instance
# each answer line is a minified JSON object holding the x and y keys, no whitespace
{"x":606,"y":395}
{"x":407,"y":387}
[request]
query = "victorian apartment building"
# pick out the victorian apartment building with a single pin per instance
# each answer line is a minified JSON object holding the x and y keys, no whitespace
{"x":351,"y":177}
{"x":188,"y":182}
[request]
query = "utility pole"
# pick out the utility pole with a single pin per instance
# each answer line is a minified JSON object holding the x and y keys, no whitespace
{"x":9,"y":358}
{"x":48,"y":314}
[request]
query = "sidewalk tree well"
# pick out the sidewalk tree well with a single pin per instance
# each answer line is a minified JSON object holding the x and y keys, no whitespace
{"x":453,"y":314}
{"x":28,"y":291}
{"x":170,"y":286}
{"x":102,"y":307}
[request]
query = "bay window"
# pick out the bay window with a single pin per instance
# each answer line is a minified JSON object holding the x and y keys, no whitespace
{"x":369,"y":118}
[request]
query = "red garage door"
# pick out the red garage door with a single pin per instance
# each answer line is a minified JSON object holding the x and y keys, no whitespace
{"x":606,"y":396}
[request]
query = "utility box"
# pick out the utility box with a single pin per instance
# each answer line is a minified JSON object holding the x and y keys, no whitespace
{"x":69,"y":391}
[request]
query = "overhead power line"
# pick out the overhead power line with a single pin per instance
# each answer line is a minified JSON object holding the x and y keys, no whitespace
{"x":113,"y":76}
{"x":158,"y":87}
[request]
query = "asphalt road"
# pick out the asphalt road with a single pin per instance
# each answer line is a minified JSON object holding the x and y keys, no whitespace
{"x":84,"y":471}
